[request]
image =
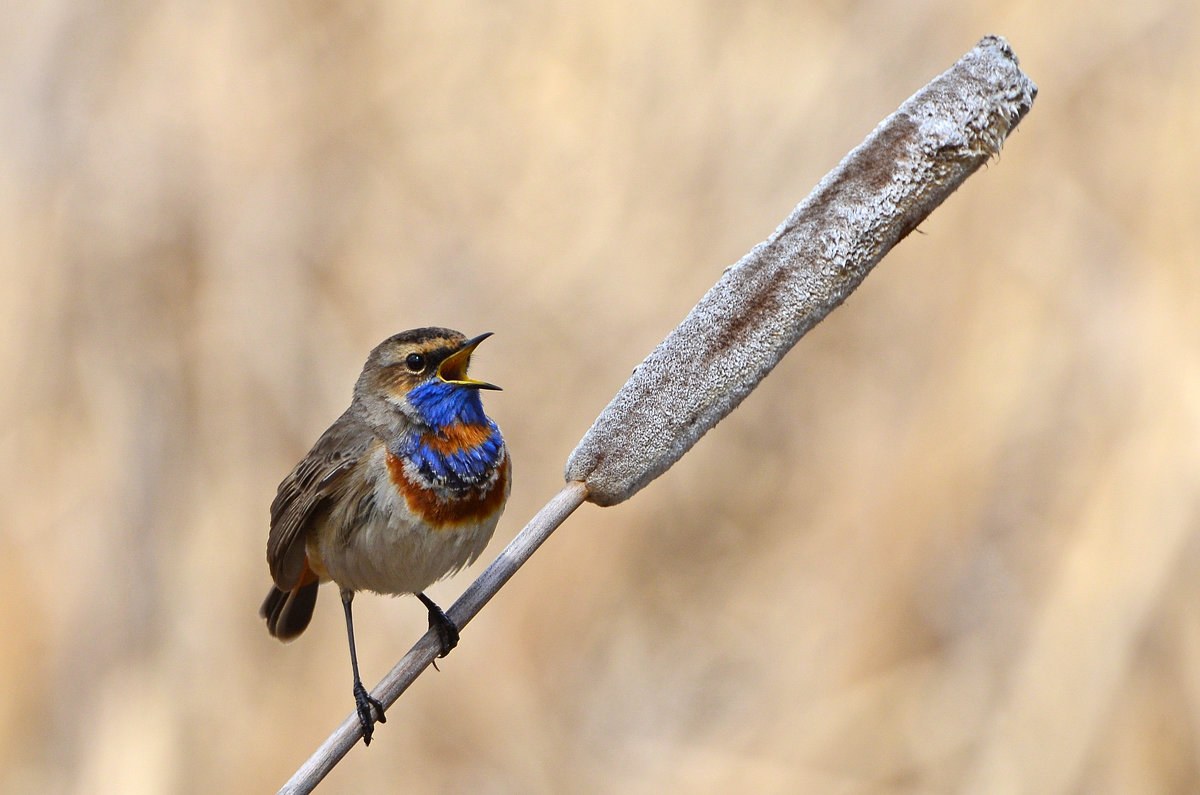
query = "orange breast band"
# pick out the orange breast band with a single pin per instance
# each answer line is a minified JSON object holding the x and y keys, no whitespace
{"x":446,"y":513}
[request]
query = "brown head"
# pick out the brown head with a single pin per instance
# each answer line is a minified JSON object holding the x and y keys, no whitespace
{"x":406,"y":374}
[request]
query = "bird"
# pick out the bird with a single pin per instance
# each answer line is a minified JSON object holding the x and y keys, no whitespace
{"x":403,"y":489}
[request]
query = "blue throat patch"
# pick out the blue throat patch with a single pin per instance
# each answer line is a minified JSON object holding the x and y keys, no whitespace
{"x":442,"y":405}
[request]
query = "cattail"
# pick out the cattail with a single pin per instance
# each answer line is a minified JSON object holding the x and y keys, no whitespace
{"x":788,"y":283}
{"x":756,"y":312}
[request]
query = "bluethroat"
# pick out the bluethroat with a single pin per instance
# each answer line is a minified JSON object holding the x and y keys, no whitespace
{"x":405,"y":488}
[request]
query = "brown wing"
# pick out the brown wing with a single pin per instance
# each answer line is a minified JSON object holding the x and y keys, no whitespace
{"x":304,"y":495}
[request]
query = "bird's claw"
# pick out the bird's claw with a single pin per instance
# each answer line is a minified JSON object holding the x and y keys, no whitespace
{"x":363,"y":703}
{"x":446,"y":629}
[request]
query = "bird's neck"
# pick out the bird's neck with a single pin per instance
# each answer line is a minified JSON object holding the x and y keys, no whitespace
{"x":441,"y":405}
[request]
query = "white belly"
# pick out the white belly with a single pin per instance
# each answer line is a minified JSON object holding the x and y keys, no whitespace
{"x":396,"y":552}
{"x":393,"y":558}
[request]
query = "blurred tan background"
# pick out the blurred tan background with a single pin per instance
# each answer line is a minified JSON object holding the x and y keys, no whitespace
{"x":950,"y":545}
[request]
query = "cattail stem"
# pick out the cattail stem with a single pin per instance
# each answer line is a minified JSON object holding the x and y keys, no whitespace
{"x":405,"y":672}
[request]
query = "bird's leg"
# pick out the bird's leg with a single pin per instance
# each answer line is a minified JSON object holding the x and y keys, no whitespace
{"x":446,"y":629}
{"x":362,"y":700}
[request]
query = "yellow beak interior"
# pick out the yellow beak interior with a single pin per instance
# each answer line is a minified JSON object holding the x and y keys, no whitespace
{"x":453,"y":369}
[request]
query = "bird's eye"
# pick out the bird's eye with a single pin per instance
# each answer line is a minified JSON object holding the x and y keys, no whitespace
{"x":415,"y":362}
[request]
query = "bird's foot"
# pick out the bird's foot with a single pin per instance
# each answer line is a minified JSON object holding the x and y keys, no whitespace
{"x":446,"y":629}
{"x":364,"y":702}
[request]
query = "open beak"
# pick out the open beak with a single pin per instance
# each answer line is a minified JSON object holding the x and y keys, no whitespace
{"x":453,"y":369}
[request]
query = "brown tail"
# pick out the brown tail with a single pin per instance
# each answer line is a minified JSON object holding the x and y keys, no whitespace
{"x":288,"y":612}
